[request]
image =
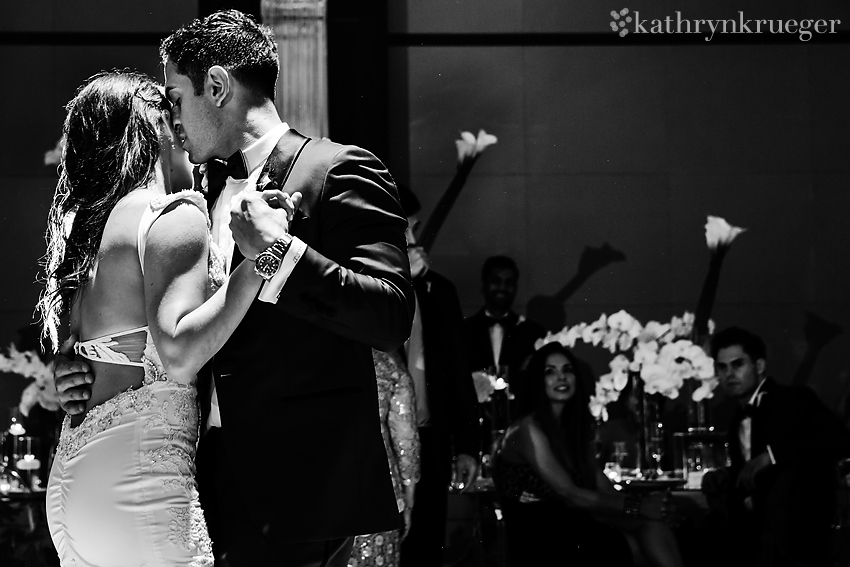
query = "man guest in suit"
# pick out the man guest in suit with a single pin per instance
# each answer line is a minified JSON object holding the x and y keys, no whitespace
{"x":496,"y":335}
{"x":291,"y":462}
{"x":777,"y":498}
{"x":446,"y":405}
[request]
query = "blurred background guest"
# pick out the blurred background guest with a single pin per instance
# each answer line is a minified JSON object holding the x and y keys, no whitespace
{"x":498,"y":342}
{"x":497,"y":336}
{"x":397,"y":407}
{"x":446,"y":405}
{"x":776,"y":502}
{"x":557,"y":501}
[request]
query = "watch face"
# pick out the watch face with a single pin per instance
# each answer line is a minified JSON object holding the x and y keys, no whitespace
{"x":267,"y":264}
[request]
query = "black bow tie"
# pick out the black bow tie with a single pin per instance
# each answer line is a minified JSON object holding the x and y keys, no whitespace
{"x":237,"y":166}
{"x":496,"y":320}
{"x":218,"y":171}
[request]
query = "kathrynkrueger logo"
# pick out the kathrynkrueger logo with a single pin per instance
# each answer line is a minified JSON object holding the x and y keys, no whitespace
{"x":623,"y":23}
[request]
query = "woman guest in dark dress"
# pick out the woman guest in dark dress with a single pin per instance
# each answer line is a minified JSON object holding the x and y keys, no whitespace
{"x":557,"y":501}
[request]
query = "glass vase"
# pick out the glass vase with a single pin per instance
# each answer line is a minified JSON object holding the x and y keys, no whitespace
{"x":646,"y":413}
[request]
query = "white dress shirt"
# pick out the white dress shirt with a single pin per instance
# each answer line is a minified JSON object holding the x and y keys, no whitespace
{"x":497,"y":337}
{"x":745,"y":431}
{"x":256,"y":155}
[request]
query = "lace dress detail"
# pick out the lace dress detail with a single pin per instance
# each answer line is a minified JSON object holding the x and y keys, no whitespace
{"x":122,"y":489}
{"x":397,"y":409}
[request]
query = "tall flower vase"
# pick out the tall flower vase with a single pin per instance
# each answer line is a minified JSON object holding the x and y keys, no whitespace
{"x":646,"y":412}
{"x":699,"y":419}
{"x":699,"y":413}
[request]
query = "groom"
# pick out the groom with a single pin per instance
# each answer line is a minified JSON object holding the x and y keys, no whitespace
{"x":291,"y":463}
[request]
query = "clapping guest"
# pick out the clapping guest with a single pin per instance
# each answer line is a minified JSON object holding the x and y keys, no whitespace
{"x":557,"y":501}
{"x":776,"y":501}
{"x":397,"y":408}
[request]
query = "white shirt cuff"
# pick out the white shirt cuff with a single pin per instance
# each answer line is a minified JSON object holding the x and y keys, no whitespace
{"x":272,"y":288}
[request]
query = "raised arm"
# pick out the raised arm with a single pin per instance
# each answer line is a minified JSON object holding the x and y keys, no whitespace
{"x":188,"y":328}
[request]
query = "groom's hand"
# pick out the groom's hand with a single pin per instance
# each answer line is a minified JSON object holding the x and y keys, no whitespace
{"x":73,"y":379}
{"x":258,"y":219}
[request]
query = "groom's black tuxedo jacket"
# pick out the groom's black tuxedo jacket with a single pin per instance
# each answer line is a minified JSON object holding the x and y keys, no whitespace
{"x":296,"y":382}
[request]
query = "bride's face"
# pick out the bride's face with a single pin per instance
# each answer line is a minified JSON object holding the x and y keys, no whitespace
{"x":175,"y":160}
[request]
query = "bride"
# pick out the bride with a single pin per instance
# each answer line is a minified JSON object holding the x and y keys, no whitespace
{"x":130,"y":263}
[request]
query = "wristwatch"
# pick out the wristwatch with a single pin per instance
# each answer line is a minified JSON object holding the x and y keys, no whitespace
{"x":267,"y":262}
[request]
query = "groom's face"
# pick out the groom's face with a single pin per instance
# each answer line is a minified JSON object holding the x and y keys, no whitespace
{"x":194,"y":117}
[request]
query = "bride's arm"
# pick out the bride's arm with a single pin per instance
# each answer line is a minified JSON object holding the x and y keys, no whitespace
{"x":186,"y":327}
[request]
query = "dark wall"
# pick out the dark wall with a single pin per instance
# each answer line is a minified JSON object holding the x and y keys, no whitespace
{"x":357,"y":74}
{"x":632,"y":142}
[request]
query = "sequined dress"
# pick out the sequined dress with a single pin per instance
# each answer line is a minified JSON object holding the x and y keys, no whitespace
{"x":397,"y":409}
{"x":122,"y":488}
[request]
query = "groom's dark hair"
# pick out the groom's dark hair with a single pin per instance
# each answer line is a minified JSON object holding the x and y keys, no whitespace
{"x":228,"y":38}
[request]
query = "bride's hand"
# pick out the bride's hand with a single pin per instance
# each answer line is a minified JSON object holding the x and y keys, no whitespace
{"x":279,"y":200}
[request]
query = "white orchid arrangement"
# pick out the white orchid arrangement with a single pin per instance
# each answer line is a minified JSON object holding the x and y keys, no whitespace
{"x":660,"y":353}
{"x":470,"y":146}
{"x":29,"y":365}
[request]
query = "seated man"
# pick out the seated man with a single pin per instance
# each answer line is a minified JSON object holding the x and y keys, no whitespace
{"x":776,"y":501}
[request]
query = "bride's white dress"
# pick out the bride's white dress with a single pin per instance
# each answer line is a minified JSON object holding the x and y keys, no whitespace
{"x":122,"y":488}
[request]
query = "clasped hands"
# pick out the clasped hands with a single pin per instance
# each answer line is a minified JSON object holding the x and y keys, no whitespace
{"x":258,"y":218}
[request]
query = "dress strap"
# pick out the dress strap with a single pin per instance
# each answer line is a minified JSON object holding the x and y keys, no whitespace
{"x":156,"y":207}
{"x":127,"y":332}
{"x":112,"y":350}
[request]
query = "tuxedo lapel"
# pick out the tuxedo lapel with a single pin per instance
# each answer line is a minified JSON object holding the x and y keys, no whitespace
{"x":277,"y":169}
{"x":283,"y":156}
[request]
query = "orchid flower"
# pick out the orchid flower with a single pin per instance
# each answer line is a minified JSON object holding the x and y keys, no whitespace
{"x":470,"y":147}
{"x":29,"y":365}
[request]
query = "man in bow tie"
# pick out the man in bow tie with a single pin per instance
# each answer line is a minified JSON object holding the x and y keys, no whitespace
{"x":496,"y":336}
{"x":778,"y":495}
{"x":292,"y":395}
{"x":446,"y":408}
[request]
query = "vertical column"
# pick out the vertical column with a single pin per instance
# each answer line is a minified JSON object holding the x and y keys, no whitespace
{"x":302,"y":87}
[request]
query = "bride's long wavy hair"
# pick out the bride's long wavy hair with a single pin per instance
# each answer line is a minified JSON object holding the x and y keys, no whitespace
{"x":112,"y":144}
